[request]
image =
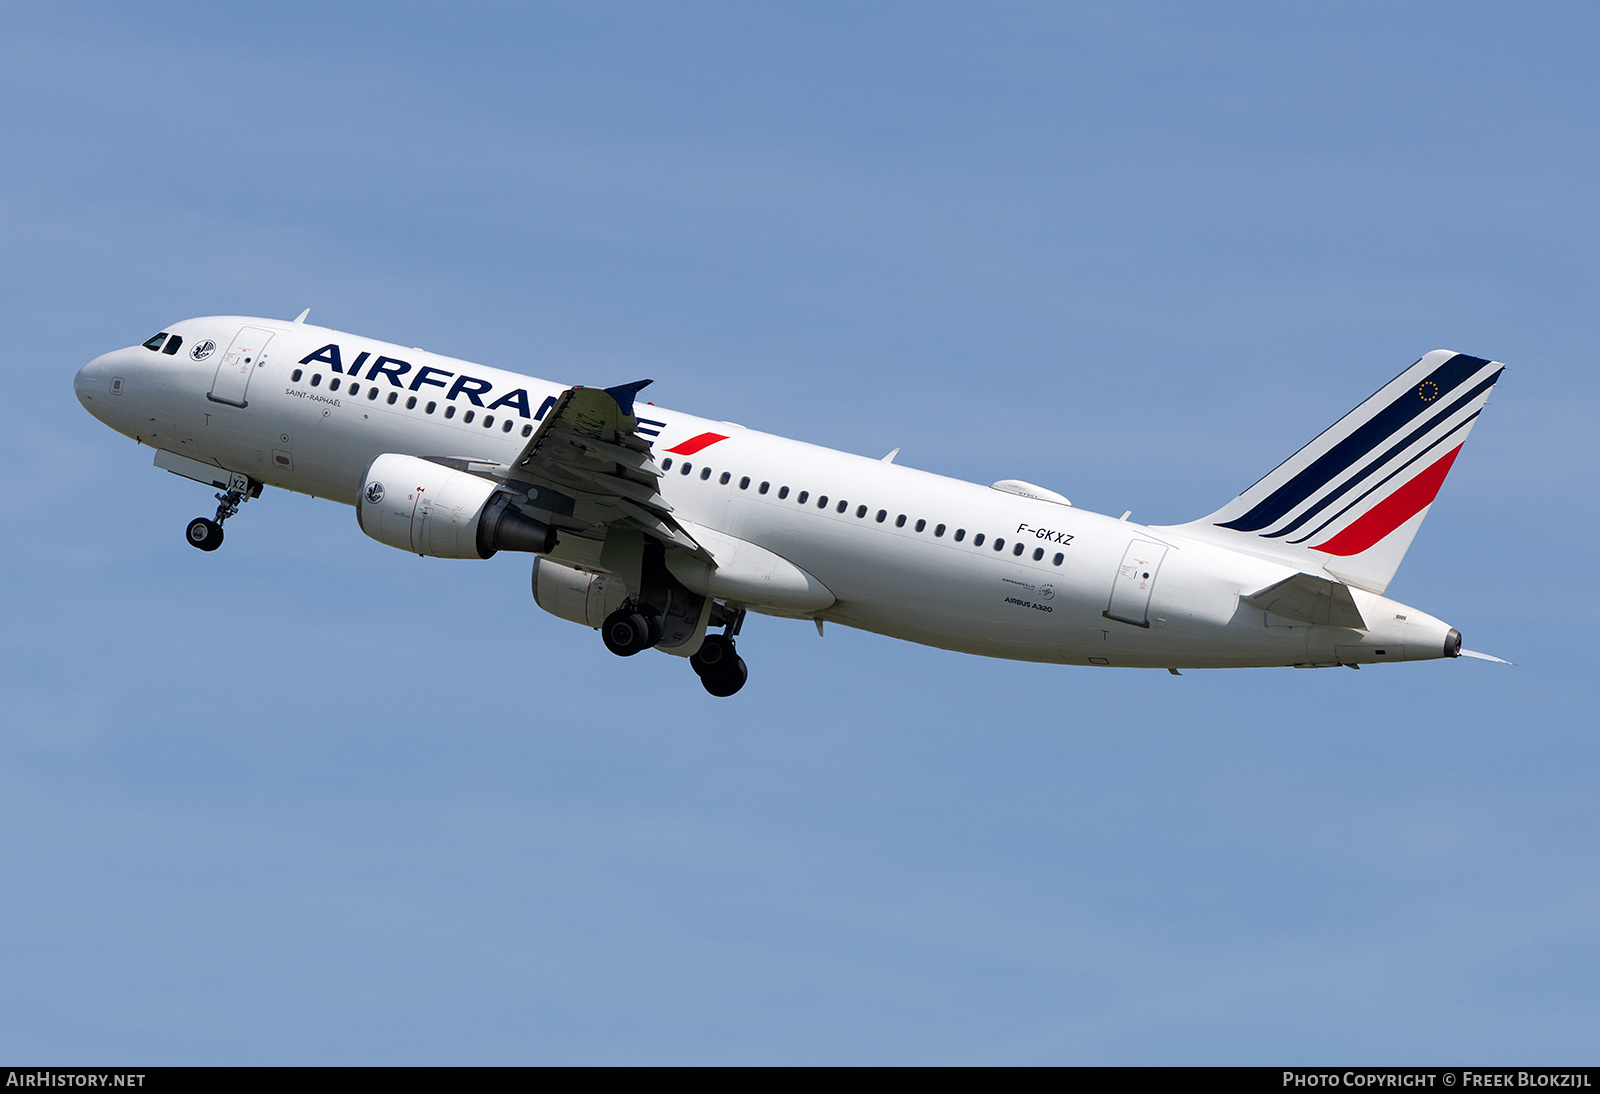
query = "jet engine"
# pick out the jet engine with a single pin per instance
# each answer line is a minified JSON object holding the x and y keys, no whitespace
{"x":575,"y":594}
{"x":429,"y":509}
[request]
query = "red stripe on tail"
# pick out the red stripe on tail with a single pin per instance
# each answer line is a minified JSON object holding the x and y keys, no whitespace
{"x":1391,"y":512}
{"x":695,"y":444}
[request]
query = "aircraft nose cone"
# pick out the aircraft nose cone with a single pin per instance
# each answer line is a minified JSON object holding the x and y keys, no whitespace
{"x":89,"y":383}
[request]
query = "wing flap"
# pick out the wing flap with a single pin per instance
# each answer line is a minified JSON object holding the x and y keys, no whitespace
{"x":589,"y":448}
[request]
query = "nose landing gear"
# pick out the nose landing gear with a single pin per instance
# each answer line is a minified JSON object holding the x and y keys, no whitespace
{"x":204,"y":534}
{"x":207,"y":534}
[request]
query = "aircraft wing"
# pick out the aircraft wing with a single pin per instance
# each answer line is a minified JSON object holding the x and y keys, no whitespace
{"x":586,"y":467}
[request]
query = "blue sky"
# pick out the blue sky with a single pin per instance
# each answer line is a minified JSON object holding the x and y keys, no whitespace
{"x":313,"y":800}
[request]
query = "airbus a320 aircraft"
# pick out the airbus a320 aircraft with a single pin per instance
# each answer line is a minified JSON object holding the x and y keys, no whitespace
{"x":655,"y":526}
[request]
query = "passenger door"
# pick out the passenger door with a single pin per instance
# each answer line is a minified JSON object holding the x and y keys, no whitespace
{"x":234,"y":370}
{"x":1135,"y":580}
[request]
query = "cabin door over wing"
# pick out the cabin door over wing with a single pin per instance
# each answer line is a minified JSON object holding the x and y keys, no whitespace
{"x":236,"y":366}
{"x":1136,"y":577}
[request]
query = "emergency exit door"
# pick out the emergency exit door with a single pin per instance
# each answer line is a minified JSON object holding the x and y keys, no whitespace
{"x":233,"y":371}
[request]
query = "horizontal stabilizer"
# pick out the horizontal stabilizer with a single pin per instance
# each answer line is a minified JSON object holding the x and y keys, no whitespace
{"x":1310,"y":599}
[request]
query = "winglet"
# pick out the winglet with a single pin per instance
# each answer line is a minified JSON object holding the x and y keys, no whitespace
{"x":624,"y":393}
{"x":301,"y":318}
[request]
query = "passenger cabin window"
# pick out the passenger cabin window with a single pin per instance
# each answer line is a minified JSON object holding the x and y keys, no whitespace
{"x":961,"y":534}
{"x":801,"y":500}
{"x":861,"y":511}
{"x":999,"y":545}
{"x":921,"y":524}
{"x":294,"y":377}
{"x":705,"y":473}
{"x":900,"y":521}
{"x":1058,"y":559}
{"x":508,"y":426}
{"x":394,"y":395}
{"x":744,"y":483}
{"x":938,"y":530}
{"x":1017,"y":550}
{"x":372,"y":393}
{"x":355,"y":389}
{"x":725,"y":477}
{"x":527,"y":430}
{"x":316,"y":379}
{"x":686,"y":468}
{"x":1038,"y":553}
{"x":430,"y":408}
{"x":449,"y":411}
{"x":977,"y":540}
{"x":883,"y":515}
{"x":842,"y":506}
{"x":666,"y":464}
{"x":172,"y":345}
{"x":764,"y":487}
{"x":783,"y":491}
{"x":155,"y":342}
{"x":411,"y":402}
{"x":822,"y":501}
{"x":333,"y":384}
{"x":488,"y":419}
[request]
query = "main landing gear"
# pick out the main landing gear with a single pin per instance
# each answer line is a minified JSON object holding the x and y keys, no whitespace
{"x":629,"y":629}
{"x":207,"y":534}
{"x":635,"y":626}
{"x":720,"y":668}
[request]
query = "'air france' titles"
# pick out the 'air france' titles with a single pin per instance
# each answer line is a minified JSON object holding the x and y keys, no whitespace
{"x":392,"y":369}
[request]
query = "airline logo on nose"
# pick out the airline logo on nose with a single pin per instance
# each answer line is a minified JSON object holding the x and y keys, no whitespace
{"x":695,"y":444}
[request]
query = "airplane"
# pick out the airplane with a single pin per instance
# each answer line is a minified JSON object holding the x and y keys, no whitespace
{"x":662,"y":530}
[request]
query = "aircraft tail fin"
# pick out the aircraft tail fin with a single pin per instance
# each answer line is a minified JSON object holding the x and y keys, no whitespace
{"x":1350,"y":502}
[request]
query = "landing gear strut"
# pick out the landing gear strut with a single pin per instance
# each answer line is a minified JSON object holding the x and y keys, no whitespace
{"x":207,"y":534}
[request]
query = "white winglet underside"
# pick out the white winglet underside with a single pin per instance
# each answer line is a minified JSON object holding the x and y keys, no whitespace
{"x":1485,"y":657}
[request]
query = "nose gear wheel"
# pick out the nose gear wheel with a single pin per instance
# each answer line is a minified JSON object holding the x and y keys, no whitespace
{"x":204,"y":534}
{"x":207,"y":534}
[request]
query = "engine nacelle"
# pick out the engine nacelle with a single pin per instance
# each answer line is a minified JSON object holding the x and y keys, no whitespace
{"x":429,"y":509}
{"x":576,"y":595}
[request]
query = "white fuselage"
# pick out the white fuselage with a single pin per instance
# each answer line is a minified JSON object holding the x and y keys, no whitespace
{"x":943,"y":567}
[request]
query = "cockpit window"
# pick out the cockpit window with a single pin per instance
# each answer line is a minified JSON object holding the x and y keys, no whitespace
{"x":155,"y":343}
{"x":173,"y":343}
